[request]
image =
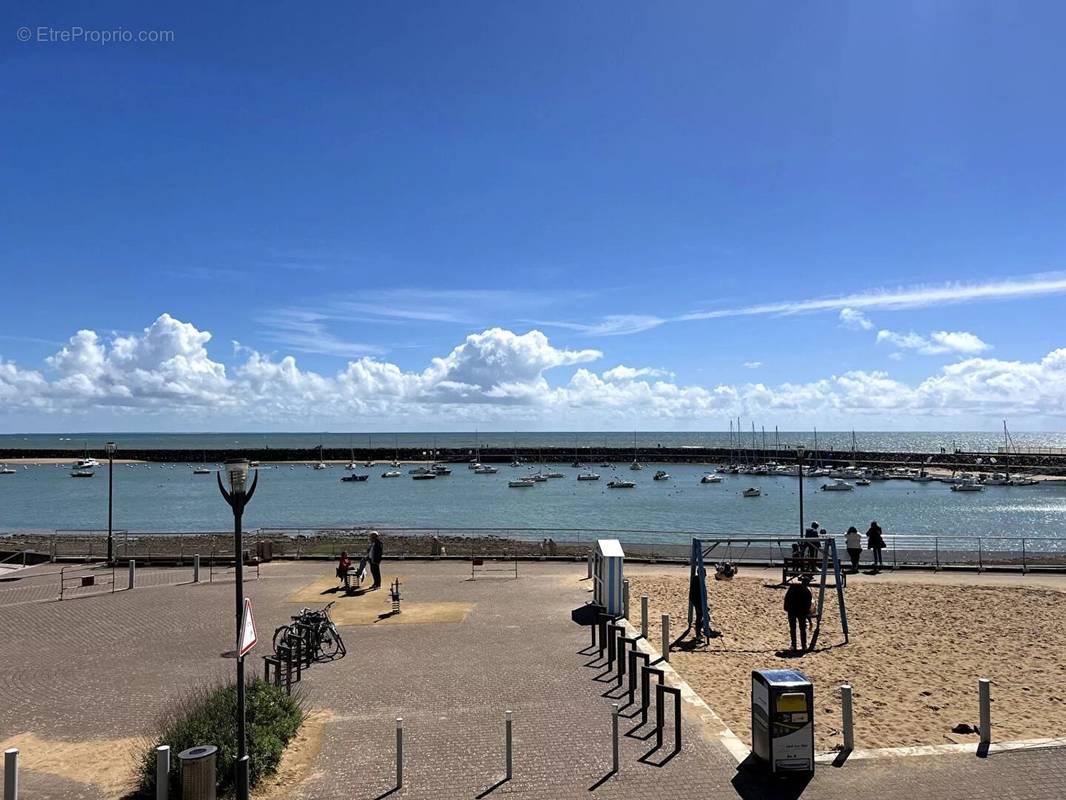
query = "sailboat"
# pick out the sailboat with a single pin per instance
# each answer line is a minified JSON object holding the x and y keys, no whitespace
{"x":636,"y":464}
{"x":321,"y":464}
{"x":396,"y":451}
{"x":514,"y":459}
{"x":202,"y":469}
{"x":86,"y":462}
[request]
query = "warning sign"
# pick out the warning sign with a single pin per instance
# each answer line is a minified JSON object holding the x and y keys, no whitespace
{"x":248,"y":638}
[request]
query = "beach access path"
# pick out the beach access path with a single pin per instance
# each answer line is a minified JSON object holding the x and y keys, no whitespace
{"x":98,"y":669}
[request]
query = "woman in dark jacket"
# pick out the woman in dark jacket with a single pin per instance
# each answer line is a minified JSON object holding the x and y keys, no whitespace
{"x":875,"y":541}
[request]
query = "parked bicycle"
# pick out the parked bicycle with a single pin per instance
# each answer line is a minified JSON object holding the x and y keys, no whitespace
{"x":316,"y":630}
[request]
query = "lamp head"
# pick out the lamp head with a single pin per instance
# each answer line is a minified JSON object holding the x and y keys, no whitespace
{"x":110,"y":447}
{"x":237,"y":473}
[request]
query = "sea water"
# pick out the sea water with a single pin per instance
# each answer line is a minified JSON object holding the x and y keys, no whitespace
{"x":171,"y":498}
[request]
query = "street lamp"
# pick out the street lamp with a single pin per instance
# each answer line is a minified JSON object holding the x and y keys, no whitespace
{"x":799,"y":471}
{"x":238,"y":496}
{"x":110,"y":447}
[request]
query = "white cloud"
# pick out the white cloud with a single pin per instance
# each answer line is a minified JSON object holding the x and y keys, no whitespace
{"x":499,"y":375}
{"x":855,"y":320}
{"x":936,"y":343}
{"x":752,"y":364}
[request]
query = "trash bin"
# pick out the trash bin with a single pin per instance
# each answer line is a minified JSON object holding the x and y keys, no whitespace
{"x":782,"y":721}
{"x":198,"y":773}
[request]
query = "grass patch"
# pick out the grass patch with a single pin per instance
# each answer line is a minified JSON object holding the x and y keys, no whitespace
{"x":207,"y":715}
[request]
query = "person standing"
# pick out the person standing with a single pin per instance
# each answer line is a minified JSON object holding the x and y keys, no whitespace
{"x":875,"y":541}
{"x":810,"y":549}
{"x":373,"y":556}
{"x":853,"y":544}
{"x":798,"y":601}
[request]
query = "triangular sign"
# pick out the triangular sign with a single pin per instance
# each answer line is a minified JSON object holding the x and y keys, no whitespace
{"x":248,"y":638}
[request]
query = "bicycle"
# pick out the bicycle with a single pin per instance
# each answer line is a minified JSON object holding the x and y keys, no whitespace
{"x":317,"y":631}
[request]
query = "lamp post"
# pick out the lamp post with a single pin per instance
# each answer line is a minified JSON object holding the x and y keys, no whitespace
{"x":238,"y":496}
{"x":799,"y":471}
{"x":110,"y":447}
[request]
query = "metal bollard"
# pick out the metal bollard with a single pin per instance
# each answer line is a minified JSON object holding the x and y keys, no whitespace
{"x":196,"y":568}
{"x":666,"y":637}
{"x":162,"y":772}
{"x":133,"y":573}
{"x":848,"y":717}
{"x":198,"y":773}
{"x":590,"y":566}
{"x":984,"y":692}
{"x":625,"y":598}
{"x":644,"y":616}
{"x":614,"y":737}
{"x":399,"y":752}
{"x":11,"y":774}
{"x":507,"y":747}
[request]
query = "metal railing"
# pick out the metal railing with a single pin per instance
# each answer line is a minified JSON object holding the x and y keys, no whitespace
{"x":1023,"y":553}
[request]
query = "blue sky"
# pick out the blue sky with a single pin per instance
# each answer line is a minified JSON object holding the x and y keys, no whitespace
{"x":375,"y":183}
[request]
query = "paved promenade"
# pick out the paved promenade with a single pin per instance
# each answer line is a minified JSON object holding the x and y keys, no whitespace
{"x":101,"y":668}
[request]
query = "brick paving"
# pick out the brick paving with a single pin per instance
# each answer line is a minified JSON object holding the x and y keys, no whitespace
{"x":103,"y":667}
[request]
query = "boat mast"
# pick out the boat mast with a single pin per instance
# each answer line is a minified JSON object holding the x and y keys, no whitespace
{"x":731,"y":461}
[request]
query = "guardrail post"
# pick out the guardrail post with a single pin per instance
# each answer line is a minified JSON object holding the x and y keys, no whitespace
{"x":1025,"y":567}
{"x":11,"y":774}
{"x":847,"y":717}
{"x":980,"y":556}
{"x":936,"y":544}
{"x":625,"y":598}
{"x":507,"y":743}
{"x":984,"y":686}
{"x":644,"y":616}
{"x":133,"y":573}
{"x":162,"y":771}
{"x":614,"y":737}
{"x":399,"y":752}
{"x":666,"y":636}
{"x":196,"y":568}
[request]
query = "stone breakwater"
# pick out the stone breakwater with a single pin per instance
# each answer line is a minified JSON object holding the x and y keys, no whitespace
{"x":1051,"y":464}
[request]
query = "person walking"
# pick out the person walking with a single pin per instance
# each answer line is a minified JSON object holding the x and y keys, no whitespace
{"x":853,"y":544}
{"x":875,"y":541}
{"x":373,"y":556}
{"x":798,"y":601}
{"x":810,"y":549}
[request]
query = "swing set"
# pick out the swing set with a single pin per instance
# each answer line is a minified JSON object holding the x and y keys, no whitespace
{"x":817,"y":555}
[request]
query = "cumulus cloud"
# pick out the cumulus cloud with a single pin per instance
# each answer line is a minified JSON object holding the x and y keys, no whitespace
{"x":855,"y":320}
{"x":936,"y":343}
{"x":502,"y":375}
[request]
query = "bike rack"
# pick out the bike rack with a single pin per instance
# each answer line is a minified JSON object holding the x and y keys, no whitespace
{"x":68,"y":581}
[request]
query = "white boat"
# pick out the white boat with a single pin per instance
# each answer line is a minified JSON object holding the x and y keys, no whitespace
{"x":636,"y":465}
{"x":354,"y":478}
{"x":553,"y":475}
{"x":862,"y":482}
{"x":967,"y":486}
{"x":1023,"y":481}
{"x":754,"y":491}
{"x":86,"y":463}
{"x":6,"y":470}
{"x":997,"y":479}
{"x":420,"y":471}
{"x":82,"y":473}
{"x":201,"y":470}
{"x":620,"y":484}
{"x":485,"y":469}
{"x":440,"y":469}
{"x":588,"y":476}
{"x":320,"y":465}
{"x":392,"y":473}
{"x":424,"y":476}
{"x":711,"y":478}
{"x":522,"y":483}
{"x":516,"y":463}
{"x":661,"y":476}
{"x":537,"y":478}
{"x":838,"y":485}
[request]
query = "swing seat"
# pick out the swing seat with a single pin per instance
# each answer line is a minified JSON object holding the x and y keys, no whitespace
{"x":793,"y":567}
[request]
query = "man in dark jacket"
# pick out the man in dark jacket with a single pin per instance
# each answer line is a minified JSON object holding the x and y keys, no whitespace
{"x":373,"y":556}
{"x":798,"y":601}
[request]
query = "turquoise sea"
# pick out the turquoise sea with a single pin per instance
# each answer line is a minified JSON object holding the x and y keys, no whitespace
{"x":171,"y":498}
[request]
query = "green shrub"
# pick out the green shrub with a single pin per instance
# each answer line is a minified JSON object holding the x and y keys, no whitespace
{"x":207,"y":715}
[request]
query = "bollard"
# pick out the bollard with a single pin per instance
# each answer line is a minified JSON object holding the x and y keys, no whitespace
{"x":614,"y":737}
{"x":198,"y":773}
{"x":666,"y":637}
{"x":133,"y":573}
{"x":11,"y":774}
{"x":590,"y":566}
{"x":196,"y":568}
{"x":399,"y":752}
{"x":507,"y":743}
{"x":625,"y":598}
{"x":984,"y":687}
{"x":644,"y":616}
{"x":848,"y":717}
{"x":162,"y":771}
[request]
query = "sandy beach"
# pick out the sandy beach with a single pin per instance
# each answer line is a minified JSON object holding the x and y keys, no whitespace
{"x":916,"y":652}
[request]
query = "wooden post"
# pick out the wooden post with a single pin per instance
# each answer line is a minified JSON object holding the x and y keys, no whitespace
{"x":666,"y":636}
{"x":848,"y":717}
{"x":984,"y":692}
